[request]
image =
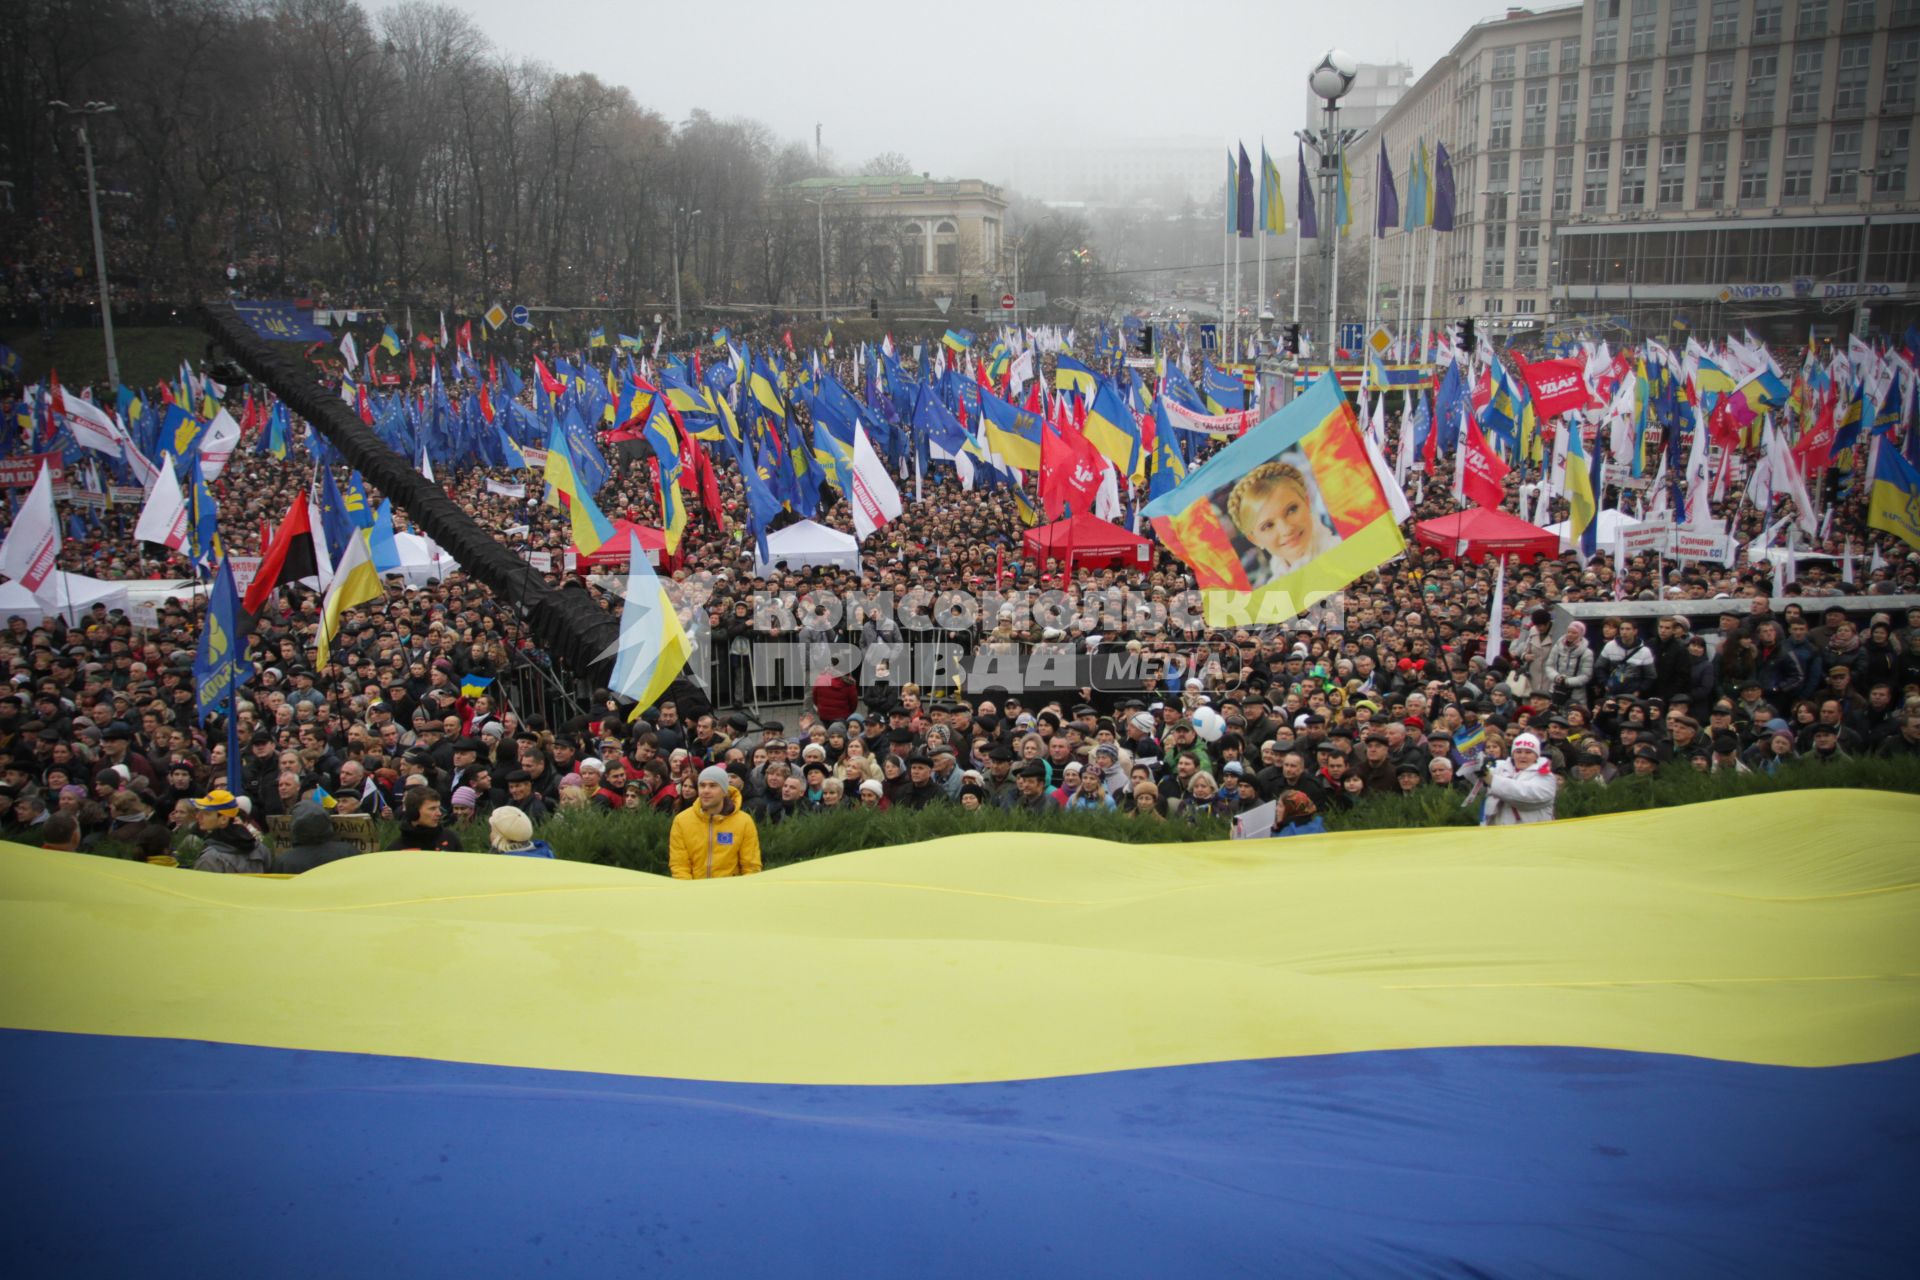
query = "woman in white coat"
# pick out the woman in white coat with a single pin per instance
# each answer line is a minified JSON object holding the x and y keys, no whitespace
{"x":1520,"y":788}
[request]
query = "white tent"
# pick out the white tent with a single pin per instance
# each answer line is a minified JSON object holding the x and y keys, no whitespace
{"x":1612,"y":524}
{"x":18,"y":602}
{"x":807,"y":544}
{"x":73,"y":595}
{"x":421,"y":561}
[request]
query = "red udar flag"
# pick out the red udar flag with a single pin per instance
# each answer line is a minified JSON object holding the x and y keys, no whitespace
{"x":1482,"y":473}
{"x":1558,"y":386}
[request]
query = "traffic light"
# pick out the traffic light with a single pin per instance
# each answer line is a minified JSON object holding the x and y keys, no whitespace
{"x":873,"y":307}
{"x":1464,"y":336}
{"x":1146,"y":339}
{"x":973,"y":303}
{"x":1293,"y":339}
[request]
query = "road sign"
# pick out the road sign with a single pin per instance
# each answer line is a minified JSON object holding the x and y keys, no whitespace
{"x":520,"y":316}
{"x":943,"y":303}
{"x":1209,"y":337}
{"x":496,"y":316}
{"x":1351,"y":334}
{"x":1006,"y":302}
{"x":1380,"y":339}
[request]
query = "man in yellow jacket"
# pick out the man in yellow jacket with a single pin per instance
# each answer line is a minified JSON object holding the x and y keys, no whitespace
{"x":714,"y":837}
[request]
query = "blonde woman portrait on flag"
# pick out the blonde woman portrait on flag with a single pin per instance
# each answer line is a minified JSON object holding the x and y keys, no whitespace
{"x":1277,"y":510}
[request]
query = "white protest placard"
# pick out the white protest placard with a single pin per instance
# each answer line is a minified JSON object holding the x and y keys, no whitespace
{"x":245,"y":570}
{"x":501,"y":489}
{"x":541,"y":560}
{"x":1651,"y":534}
{"x":1256,"y":823}
{"x":1709,"y":544}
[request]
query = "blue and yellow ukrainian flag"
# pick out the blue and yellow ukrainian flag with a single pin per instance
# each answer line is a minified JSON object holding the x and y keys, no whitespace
{"x":1070,"y":374}
{"x":596,"y":337}
{"x":474,"y":686}
{"x":1583,"y":517}
{"x":1112,"y":429}
{"x":957,"y":339}
{"x":591,"y":528}
{"x":1013,"y":433}
{"x":665,"y":443}
{"x":653,"y":645}
{"x":1273,"y":195}
{"x":1654,"y":1043}
{"x":390,"y":341}
{"x":1893,"y":504}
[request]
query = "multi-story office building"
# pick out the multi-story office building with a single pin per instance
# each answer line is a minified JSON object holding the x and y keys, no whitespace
{"x":1659,"y":163}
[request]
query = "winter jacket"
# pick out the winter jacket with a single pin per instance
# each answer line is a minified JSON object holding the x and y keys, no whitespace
{"x":703,"y":846}
{"x":1513,"y":796}
{"x":1673,"y":669}
{"x":1703,"y":680}
{"x":1569,"y":667}
{"x":1627,"y":675}
{"x":411,"y":836}
{"x":313,"y":843}
{"x":1530,"y":655}
{"x":1314,"y":826}
{"x":235,"y":850}
{"x":1779,"y":674}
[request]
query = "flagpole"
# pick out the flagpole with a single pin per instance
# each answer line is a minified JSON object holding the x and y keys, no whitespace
{"x":1260,"y":271}
{"x":1298,"y":241}
{"x":1373,"y":279}
{"x":1426,"y":316}
{"x":1226,"y":232}
{"x":1233,"y":331}
{"x":1333,"y":297}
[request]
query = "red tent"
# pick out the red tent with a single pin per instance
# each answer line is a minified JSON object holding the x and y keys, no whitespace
{"x":615,"y":549}
{"x":1479,"y":533}
{"x":1093,"y":544}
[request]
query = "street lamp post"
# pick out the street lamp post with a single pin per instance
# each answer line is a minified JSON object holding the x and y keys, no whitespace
{"x":1330,"y":80}
{"x":820,"y":207}
{"x":673,"y":228}
{"x":99,"y":242}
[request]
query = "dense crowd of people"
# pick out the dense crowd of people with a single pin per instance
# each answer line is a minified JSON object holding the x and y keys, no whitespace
{"x":101,"y":750}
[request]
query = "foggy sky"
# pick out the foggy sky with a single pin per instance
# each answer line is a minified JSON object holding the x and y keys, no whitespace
{"x":948,"y":85}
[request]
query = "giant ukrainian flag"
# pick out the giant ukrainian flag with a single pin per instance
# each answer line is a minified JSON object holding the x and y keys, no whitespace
{"x":1315,"y":434}
{"x":1653,"y":1044}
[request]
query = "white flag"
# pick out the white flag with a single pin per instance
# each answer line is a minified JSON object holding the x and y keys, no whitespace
{"x":1495,"y":615}
{"x":164,"y":517}
{"x":350,"y":353}
{"x":91,"y":426}
{"x":218,"y":444}
{"x":1106,"y":502}
{"x":872,"y":494}
{"x":33,"y":543}
{"x":1390,"y":484}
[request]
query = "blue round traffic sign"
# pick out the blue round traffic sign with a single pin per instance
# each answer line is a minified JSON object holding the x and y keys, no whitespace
{"x":520,"y":316}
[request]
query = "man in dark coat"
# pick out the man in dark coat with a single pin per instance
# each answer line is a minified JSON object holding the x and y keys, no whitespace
{"x":313,"y":843}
